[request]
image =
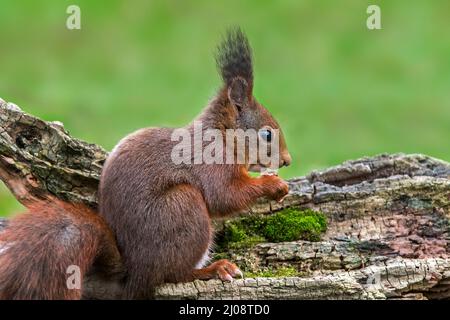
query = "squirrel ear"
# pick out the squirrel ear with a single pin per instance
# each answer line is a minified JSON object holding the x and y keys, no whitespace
{"x":238,"y":92}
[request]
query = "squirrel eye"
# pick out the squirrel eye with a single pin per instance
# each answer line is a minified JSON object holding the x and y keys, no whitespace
{"x":266,"y":134}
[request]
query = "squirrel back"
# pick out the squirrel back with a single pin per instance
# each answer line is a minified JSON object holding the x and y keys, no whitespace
{"x":42,"y":248}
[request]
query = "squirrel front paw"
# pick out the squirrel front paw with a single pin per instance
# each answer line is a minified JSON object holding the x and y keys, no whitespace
{"x":277,"y":188}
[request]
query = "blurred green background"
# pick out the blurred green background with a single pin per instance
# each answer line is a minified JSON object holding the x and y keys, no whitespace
{"x":339,"y":90}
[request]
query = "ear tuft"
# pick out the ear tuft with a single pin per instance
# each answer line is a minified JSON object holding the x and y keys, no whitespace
{"x":238,"y":92}
{"x":234,"y":58}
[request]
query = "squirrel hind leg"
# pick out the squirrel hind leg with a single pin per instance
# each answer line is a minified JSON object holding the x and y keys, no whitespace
{"x":169,"y":249}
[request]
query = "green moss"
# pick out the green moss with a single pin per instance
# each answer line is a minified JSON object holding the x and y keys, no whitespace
{"x":278,"y":272}
{"x":286,"y":225}
{"x":291,"y":225}
{"x":241,"y":234}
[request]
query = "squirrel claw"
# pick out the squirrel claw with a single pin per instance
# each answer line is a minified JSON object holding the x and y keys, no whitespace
{"x":238,"y":274}
{"x":226,"y":270}
{"x":226,"y":277}
{"x":282,"y":199}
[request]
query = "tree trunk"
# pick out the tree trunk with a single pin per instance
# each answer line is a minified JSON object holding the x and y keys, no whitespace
{"x":388,"y":220}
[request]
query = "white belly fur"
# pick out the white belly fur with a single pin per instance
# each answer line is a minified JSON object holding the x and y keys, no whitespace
{"x":204,"y":260}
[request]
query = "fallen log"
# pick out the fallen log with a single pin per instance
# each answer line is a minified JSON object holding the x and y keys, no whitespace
{"x":388,"y":220}
{"x":394,"y":279}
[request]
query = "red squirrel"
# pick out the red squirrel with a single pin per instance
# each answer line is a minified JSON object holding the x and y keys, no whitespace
{"x":155,"y":215}
{"x":161,"y":212}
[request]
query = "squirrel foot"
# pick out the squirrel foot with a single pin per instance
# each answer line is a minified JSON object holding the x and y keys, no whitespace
{"x":222,"y":269}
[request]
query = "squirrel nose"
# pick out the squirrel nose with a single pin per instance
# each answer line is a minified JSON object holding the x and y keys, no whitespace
{"x":286,"y":160}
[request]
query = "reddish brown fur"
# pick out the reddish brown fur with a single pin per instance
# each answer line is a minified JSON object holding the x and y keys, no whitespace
{"x":43,"y":242}
{"x":161,"y":212}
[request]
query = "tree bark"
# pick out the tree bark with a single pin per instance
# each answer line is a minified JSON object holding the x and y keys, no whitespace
{"x":39,"y":158}
{"x":388,"y":217}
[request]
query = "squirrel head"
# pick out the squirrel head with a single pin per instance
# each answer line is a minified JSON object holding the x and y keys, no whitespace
{"x":239,"y":106}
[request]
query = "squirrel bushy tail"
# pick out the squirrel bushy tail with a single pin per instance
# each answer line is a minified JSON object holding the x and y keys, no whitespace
{"x":41,"y":249}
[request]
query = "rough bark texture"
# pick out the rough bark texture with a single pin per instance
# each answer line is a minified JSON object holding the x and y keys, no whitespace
{"x":388,"y":217}
{"x":38,"y":158}
{"x":397,"y":278}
